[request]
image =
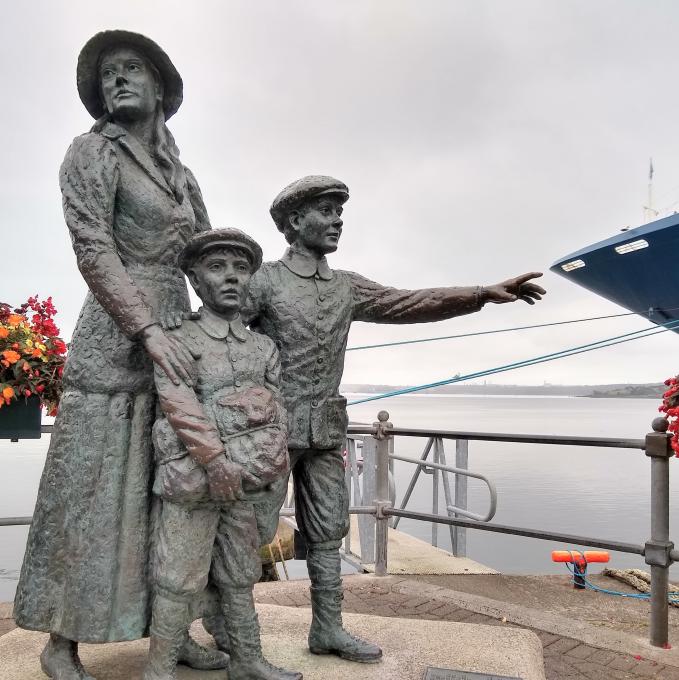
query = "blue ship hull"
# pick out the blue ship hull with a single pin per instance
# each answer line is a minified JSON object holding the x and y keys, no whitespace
{"x":637,"y":269}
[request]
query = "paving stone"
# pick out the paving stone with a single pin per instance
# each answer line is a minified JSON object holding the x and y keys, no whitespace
{"x":546,"y":638}
{"x":581,"y":651}
{"x":623,"y":663}
{"x":602,"y":656}
{"x":647,"y":669}
{"x":561,"y":646}
{"x":559,"y":669}
{"x":593,"y":671}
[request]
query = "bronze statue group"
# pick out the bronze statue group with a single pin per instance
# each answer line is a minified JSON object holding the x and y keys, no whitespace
{"x":178,"y":431}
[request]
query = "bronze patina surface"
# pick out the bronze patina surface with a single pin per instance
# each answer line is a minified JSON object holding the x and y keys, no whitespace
{"x":222,"y":458}
{"x":307,"y":309}
{"x":130,"y":207}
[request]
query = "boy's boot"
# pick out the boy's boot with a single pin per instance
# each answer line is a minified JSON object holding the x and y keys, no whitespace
{"x":169,"y":629}
{"x":326,"y":635}
{"x":242,"y":626}
{"x":201,"y":658}
{"x":213,"y":622}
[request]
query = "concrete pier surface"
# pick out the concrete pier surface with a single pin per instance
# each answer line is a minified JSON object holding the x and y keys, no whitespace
{"x":410,"y":646}
{"x":583,"y":634}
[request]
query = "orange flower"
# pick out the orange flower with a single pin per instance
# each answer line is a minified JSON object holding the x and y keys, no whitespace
{"x":8,"y":393}
{"x":14,"y":319}
{"x":3,"y":332}
{"x":36,"y":353}
{"x":11,"y":356}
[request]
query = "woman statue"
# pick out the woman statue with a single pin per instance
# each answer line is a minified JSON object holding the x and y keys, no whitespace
{"x":130,"y":206}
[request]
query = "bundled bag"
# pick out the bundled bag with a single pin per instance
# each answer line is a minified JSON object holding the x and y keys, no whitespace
{"x":251,"y":424}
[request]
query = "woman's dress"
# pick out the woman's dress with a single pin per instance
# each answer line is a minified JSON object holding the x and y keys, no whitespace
{"x":86,"y":569}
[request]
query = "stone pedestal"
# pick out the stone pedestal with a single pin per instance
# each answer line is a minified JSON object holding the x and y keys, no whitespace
{"x":409,"y":647}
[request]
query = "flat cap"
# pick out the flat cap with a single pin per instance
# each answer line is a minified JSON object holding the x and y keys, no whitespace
{"x":220,"y":238}
{"x":302,"y":190}
{"x":87,"y":72}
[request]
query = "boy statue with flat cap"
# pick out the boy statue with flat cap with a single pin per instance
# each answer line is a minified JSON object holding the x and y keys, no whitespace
{"x":306,"y":308}
{"x":221,"y":455}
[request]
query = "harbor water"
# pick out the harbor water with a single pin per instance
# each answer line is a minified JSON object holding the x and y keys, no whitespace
{"x":594,"y":492}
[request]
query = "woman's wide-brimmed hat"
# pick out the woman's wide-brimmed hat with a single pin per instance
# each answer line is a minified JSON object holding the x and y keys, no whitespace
{"x":88,"y":70}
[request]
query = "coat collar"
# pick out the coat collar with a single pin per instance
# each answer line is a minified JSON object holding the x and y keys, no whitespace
{"x":305,"y":265}
{"x":219,"y":328}
{"x":135,"y":149}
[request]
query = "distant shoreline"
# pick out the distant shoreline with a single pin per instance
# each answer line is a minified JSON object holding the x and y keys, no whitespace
{"x":613,"y":391}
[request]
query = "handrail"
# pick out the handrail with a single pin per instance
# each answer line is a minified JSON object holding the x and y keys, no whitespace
{"x":15,"y":521}
{"x":573,"y":440}
{"x":619,"y":546}
{"x":459,"y":471}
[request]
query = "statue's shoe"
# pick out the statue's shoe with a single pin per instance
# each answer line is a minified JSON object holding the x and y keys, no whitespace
{"x":341,"y":643}
{"x":62,"y":665}
{"x":202,"y":658}
{"x":258,"y":668}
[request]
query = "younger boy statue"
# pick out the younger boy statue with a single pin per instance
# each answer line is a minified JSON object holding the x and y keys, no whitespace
{"x":222,"y":463}
{"x":307,"y":308}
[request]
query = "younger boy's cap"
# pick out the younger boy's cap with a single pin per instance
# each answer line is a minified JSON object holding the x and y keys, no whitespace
{"x":220,"y":238}
{"x":302,"y":190}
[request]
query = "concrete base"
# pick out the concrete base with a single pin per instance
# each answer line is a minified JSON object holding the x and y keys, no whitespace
{"x":409,"y":647}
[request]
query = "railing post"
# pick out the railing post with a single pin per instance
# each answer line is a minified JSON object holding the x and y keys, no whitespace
{"x":462,"y":462}
{"x":435,"y":493}
{"x":366,"y":523}
{"x":657,"y":550}
{"x":382,"y":492}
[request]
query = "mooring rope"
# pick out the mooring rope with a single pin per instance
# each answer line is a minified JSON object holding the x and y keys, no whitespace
{"x":571,"y":351}
{"x":491,"y":332}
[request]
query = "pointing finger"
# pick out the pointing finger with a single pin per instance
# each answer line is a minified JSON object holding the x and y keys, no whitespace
{"x":526,"y":277}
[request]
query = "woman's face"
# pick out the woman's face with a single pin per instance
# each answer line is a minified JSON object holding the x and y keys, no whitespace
{"x":128,"y":84}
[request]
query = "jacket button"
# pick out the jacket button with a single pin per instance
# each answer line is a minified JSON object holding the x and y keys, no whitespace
{"x":319,"y":360}
{"x":237,"y":383}
{"x":314,"y":403}
{"x":320,"y":317}
{"x":321,"y":298}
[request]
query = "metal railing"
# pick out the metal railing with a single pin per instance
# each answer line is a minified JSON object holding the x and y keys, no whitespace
{"x":658,"y":551}
{"x":374,"y":502}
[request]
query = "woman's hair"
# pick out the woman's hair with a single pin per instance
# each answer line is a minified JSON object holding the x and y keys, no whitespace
{"x":163,"y":147}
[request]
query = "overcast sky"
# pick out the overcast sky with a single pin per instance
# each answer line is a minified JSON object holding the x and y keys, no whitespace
{"x":478,"y":139}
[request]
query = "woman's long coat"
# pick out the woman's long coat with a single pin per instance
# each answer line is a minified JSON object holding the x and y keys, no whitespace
{"x":86,"y":570}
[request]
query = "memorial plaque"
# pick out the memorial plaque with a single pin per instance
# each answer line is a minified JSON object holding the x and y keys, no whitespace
{"x":451,"y":674}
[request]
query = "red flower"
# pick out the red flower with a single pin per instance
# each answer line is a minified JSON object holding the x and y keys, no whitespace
{"x":33,"y":365}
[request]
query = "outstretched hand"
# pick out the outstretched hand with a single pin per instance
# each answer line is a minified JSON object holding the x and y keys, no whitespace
{"x":518,"y":288}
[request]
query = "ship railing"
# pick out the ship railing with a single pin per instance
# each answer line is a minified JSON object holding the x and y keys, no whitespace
{"x":374,"y":499}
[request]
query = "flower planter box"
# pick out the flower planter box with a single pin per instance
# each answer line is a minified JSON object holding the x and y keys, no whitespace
{"x":21,"y":419}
